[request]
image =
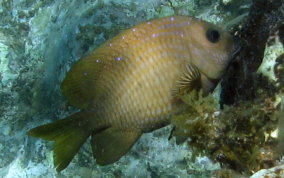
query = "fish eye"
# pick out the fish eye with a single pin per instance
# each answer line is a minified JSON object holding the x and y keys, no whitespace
{"x":213,"y":35}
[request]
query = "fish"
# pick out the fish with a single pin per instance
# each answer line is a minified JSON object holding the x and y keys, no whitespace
{"x":132,"y":83}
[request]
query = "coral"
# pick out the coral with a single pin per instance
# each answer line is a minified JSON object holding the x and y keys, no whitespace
{"x":273,"y":51}
{"x":277,"y":171}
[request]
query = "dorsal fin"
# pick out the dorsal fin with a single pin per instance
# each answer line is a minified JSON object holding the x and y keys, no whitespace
{"x":79,"y":85}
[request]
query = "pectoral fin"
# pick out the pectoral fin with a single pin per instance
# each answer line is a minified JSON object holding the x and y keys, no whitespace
{"x":111,"y":144}
{"x":188,"y":80}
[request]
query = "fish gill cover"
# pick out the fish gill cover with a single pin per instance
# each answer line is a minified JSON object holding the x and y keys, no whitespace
{"x":39,"y":42}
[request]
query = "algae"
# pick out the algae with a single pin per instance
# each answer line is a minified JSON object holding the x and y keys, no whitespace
{"x":238,"y":137}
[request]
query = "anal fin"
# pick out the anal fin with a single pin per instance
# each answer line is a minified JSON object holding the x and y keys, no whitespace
{"x":111,"y":144}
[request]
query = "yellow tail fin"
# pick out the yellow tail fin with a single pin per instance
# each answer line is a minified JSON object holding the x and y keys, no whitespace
{"x":68,"y":134}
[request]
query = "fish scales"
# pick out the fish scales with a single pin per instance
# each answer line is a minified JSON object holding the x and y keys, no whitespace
{"x":140,"y":74}
{"x":131,"y":84}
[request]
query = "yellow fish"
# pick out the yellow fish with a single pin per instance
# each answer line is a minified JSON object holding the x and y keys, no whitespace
{"x":130,"y":85}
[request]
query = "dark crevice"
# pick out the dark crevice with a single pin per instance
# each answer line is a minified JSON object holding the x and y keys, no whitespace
{"x":264,"y":19}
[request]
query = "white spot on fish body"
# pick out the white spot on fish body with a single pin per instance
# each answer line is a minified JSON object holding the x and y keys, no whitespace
{"x":133,"y":29}
{"x":172,"y":18}
{"x":119,"y":58}
{"x":153,"y":35}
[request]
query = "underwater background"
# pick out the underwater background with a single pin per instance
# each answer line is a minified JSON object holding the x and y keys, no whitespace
{"x":40,"y":40}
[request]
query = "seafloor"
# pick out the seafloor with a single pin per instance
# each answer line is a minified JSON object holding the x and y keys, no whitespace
{"x":39,"y":42}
